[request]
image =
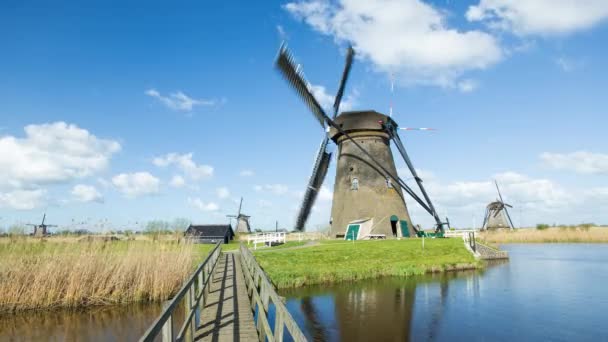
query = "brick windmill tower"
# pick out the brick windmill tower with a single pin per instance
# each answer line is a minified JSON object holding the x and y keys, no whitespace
{"x":368,"y":196}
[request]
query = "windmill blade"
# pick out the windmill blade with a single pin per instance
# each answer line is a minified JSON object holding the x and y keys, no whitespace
{"x":43,"y":217}
{"x":509,"y":217}
{"x":499,"y":195}
{"x":350,"y":53}
{"x":508,"y":205}
{"x":319,"y":172}
{"x":50,"y":225}
{"x":286,"y":66}
{"x":240,"y":205}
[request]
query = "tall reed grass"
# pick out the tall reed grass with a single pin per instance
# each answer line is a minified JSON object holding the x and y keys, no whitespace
{"x":549,"y":235}
{"x":37,"y":275}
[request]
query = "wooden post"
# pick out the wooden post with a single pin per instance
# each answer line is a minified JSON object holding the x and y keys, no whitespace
{"x":278,"y":324}
{"x":167,"y":333}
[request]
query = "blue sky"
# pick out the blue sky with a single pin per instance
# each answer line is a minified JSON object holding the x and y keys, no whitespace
{"x":163,"y":110}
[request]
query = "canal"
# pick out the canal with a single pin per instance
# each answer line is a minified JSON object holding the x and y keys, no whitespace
{"x":555,"y":292}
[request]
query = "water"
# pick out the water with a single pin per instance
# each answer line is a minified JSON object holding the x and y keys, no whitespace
{"x":556,"y":292}
{"x":114,"y":323}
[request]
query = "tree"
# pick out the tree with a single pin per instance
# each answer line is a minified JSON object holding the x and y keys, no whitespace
{"x":180,"y":224}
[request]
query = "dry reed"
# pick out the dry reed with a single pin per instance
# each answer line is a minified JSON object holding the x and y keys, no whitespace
{"x":40,"y":275}
{"x":550,"y":235}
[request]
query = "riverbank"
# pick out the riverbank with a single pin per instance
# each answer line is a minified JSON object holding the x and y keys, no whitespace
{"x":549,"y":235}
{"x":45,"y":274}
{"x":341,"y":261}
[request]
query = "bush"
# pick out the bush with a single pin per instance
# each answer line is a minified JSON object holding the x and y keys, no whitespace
{"x":542,"y":226}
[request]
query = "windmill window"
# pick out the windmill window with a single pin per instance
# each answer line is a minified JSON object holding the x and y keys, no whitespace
{"x":389,"y":184}
{"x":354,"y":184}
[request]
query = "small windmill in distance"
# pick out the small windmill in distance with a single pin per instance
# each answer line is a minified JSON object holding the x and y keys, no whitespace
{"x":497,"y":216}
{"x":242,"y":220}
{"x":41,"y":229}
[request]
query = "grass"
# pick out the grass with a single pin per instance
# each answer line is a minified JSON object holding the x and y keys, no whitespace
{"x":548,"y":235}
{"x":339,"y":261}
{"x":41,"y":275}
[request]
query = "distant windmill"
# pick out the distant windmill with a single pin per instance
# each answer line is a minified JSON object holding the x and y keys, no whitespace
{"x":497,"y":216}
{"x":242,"y":220}
{"x":41,"y":229}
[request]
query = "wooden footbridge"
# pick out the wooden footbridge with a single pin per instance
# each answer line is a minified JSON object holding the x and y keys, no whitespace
{"x":227,"y":298}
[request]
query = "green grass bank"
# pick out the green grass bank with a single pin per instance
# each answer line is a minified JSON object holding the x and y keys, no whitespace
{"x":340,"y":261}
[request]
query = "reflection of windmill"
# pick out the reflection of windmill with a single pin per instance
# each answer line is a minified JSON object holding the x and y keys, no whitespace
{"x":41,"y":229}
{"x":497,"y":215}
{"x":242,"y":221}
{"x":367,"y":186}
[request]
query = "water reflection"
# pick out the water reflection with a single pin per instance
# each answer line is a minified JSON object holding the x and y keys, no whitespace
{"x":114,"y":323}
{"x":545,"y":292}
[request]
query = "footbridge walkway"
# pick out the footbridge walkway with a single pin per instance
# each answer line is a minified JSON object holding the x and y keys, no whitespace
{"x":227,"y":298}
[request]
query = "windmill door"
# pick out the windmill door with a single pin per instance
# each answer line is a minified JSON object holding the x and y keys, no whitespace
{"x":352,"y":232}
{"x":405,"y":232}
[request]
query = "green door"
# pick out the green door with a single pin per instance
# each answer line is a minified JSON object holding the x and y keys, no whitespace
{"x":405,"y":232}
{"x":352,"y":232}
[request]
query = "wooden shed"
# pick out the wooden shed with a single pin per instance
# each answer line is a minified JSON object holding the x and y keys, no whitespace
{"x":210,"y":233}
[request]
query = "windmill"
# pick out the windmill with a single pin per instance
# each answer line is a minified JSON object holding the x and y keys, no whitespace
{"x":367,"y":187}
{"x":497,"y":216}
{"x":41,"y":229}
{"x":242,"y":220}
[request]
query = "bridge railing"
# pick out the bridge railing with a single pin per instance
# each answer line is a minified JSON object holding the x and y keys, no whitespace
{"x":193,"y":293}
{"x":266,"y":238}
{"x":262,"y":295}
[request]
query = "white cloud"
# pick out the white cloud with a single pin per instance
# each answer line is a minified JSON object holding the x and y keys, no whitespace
{"x":581,"y":162}
{"x":52,"y":153}
{"x":277,"y":189}
{"x":179,"y":101}
{"x":264,"y":204}
{"x":247,"y":173}
{"x":185,"y":163}
{"x":568,"y":64}
{"x":86,"y":193}
{"x":22,"y":199}
{"x":327,"y":101}
{"x":203,"y":206}
{"x":407,"y":37}
{"x":222,"y":193}
{"x":136,"y":184}
{"x":177,"y":181}
{"x":539,"y":17}
{"x":467,"y":86}
{"x":325,"y":194}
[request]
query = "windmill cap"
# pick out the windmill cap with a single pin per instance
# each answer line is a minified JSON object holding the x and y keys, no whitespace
{"x":360,"y":121}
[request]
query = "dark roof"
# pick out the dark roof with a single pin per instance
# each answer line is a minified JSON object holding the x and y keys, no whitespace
{"x":215,"y":230}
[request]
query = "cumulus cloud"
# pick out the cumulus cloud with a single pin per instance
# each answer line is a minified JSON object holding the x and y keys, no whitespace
{"x":136,"y":184}
{"x":407,"y":37}
{"x":177,"y":181}
{"x":539,"y":17}
{"x":203,"y":206}
{"x":582,"y":162}
{"x":52,"y":153}
{"x":86,"y":193}
{"x":277,"y":189}
{"x":326,"y":100}
{"x":222,"y":193}
{"x":184,"y":163}
{"x":246,"y":173}
{"x":22,"y":199}
{"x":179,"y":101}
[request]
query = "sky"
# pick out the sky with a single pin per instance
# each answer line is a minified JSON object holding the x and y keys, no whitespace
{"x":115,"y":114}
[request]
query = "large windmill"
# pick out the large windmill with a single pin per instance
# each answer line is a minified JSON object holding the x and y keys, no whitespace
{"x":242,"y":220}
{"x":367,"y":188}
{"x":497,"y":216}
{"x":41,"y":229}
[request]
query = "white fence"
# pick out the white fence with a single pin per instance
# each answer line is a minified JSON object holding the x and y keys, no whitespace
{"x":266,"y":239}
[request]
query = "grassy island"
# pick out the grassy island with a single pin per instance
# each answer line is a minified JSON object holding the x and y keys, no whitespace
{"x":339,"y":261}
